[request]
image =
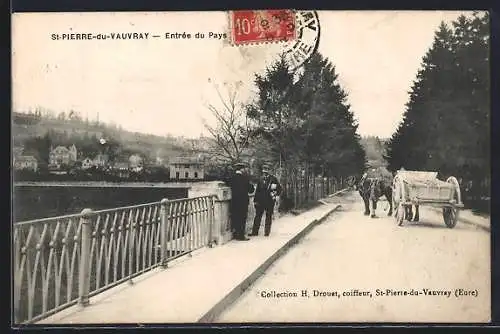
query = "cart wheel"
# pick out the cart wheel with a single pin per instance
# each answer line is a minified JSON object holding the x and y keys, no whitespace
{"x":397,"y":196}
{"x":450,"y":213}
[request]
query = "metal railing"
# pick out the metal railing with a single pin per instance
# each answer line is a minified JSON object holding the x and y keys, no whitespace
{"x":302,"y":191}
{"x":64,"y":260}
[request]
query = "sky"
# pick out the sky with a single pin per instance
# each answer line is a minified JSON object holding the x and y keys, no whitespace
{"x":162,"y":86}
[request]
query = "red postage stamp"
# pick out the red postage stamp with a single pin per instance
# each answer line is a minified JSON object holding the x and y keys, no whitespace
{"x":257,"y":26}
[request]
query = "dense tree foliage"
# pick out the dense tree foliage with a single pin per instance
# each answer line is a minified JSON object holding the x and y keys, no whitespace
{"x":375,"y":148}
{"x":302,"y":124}
{"x":305,"y":121}
{"x":445,"y":127}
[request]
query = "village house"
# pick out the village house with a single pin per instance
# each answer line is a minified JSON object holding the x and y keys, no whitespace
{"x":121,"y":169}
{"x":186,"y":168}
{"x":25,"y":162}
{"x":136,"y":163}
{"x":101,"y":160}
{"x":62,"y":156}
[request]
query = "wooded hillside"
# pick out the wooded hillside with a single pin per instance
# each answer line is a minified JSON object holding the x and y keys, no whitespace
{"x":37,"y":131}
{"x":375,"y":150}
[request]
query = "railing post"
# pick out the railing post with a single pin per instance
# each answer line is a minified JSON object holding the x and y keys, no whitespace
{"x":131,"y":239}
{"x":190,"y":237}
{"x":211,"y":213}
{"x":84,"y":270}
{"x":222,"y":219}
{"x":163,"y":231}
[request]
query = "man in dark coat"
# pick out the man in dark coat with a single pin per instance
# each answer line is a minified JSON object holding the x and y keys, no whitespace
{"x":268,"y":188}
{"x":240,"y":189}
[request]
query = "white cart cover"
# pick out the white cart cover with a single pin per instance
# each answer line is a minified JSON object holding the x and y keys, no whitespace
{"x":425,"y":186}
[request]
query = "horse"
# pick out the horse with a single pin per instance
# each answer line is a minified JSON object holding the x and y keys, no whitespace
{"x":371,"y":189}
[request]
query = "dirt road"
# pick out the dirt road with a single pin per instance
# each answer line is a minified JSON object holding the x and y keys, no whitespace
{"x":353,"y":268}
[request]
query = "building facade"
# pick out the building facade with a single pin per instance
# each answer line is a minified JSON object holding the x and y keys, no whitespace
{"x":62,"y":156}
{"x":25,"y":162}
{"x":121,"y":169}
{"x":187,"y":169}
{"x":136,"y":163}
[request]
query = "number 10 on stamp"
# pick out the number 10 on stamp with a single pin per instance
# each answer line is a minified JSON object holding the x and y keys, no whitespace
{"x":257,"y":26}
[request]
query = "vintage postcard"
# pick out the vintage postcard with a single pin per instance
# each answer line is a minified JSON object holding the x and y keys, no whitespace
{"x":251,"y":166}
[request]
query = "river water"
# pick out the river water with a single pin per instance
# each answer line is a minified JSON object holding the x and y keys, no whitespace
{"x":40,"y":201}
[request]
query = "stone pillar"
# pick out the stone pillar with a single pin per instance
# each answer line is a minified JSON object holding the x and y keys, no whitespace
{"x":222,"y":223}
{"x":221,"y":227}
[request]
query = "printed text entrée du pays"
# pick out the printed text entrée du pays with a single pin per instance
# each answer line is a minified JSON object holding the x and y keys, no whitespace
{"x":136,"y":36}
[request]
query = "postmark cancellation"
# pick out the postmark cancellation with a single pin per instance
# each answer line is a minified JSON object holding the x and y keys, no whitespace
{"x":262,"y":26}
{"x":297,"y":32}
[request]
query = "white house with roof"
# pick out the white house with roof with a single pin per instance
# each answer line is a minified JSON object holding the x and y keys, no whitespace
{"x":25,"y":162}
{"x":121,"y":168}
{"x":62,"y":156}
{"x":136,"y":163}
{"x":187,"y":168}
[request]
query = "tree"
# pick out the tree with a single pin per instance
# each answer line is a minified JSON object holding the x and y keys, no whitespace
{"x":445,"y":125}
{"x":39,"y":147}
{"x":375,"y":150}
{"x":230,"y":132}
{"x":329,"y":129}
{"x":302,"y":122}
{"x":472,"y":61}
{"x":276,"y":122}
{"x":74,"y":116}
{"x":307,"y":122}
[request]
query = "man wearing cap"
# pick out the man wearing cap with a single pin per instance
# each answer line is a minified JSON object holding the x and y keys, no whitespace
{"x":240,"y":189}
{"x":268,"y":188}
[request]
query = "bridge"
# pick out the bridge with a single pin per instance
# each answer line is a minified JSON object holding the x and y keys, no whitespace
{"x":175,"y":262}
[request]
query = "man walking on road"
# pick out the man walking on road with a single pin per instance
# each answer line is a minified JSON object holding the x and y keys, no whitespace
{"x":240,"y":189}
{"x":268,"y":188}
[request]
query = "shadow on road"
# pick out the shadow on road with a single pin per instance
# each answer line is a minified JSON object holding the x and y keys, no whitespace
{"x":423,"y":224}
{"x":460,"y":226}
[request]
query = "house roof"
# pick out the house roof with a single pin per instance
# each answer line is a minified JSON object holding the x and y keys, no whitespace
{"x":63,"y":148}
{"x":26,"y":158}
{"x":186,"y":160}
{"x":60,"y":148}
{"x":135,"y":158}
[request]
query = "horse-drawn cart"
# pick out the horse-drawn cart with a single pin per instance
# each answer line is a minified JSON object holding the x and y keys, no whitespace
{"x":424,"y":188}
